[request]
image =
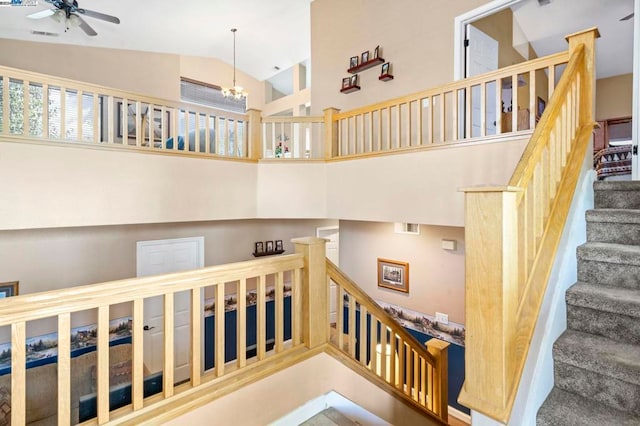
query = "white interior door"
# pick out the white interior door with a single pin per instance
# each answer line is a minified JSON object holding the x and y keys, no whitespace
{"x":163,"y":257}
{"x":482,"y":57}
{"x":331,"y":233}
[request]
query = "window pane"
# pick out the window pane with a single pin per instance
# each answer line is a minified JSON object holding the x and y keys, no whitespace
{"x":200,"y":93}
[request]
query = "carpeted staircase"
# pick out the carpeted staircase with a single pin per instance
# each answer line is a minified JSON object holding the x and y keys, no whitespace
{"x":597,"y":359}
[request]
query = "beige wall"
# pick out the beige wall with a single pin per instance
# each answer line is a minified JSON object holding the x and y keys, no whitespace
{"x":418,"y":187}
{"x":436,"y":276}
{"x":152,"y":74}
{"x":613,"y":97}
{"x":417,"y":42}
{"x":293,"y":387}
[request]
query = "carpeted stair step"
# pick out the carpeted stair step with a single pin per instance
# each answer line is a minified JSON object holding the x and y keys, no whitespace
{"x":599,"y":368}
{"x":612,"y":312}
{"x":620,"y":226}
{"x":328,"y":417}
{"x":617,"y":194}
{"x":563,"y":408}
{"x":609,"y":264}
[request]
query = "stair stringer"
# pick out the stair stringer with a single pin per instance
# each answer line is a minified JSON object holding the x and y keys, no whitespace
{"x":537,"y":377}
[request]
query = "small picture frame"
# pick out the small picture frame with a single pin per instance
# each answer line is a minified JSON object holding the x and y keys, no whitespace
{"x":259,"y":247}
{"x":354,"y":80}
{"x":9,"y":289}
{"x":393,"y":274}
{"x":279,"y":245}
{"x":385,"y":69}
{"x":365,"y":57}
{"x":376,"y":52}
{"x":346,"y":82}
{"x":269,"y":246}
{"x":353,"y":62}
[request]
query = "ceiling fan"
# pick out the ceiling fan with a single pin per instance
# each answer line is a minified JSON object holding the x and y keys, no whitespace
{"x":70,"y":12}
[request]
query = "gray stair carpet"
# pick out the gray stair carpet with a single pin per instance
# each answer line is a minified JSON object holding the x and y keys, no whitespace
{"x":597,"y":359}
{"x":328,"y":417}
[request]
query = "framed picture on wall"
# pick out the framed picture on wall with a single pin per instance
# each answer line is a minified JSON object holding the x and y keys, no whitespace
{"x":279,"y":245}
{"x":346,"y":82}
{"x":365,"y":57}
{"x":393,"y":274}
{"x":269,"y":246}
{"x":376,"y":52}
{"x":259,"y":247}
{"x":385,"y":69}
{"x":354,"y":80}
{"x":8,"y":289}
{"x":353,"y":62}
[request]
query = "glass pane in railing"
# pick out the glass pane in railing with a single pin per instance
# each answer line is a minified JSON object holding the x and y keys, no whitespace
{"x":36,"y":107}
{"x":16,"y":106}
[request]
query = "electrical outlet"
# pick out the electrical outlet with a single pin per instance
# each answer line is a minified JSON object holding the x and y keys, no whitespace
{"x":442,"y":318}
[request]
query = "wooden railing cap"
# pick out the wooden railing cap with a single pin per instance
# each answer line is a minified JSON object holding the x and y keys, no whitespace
{"x":309,"y":240}
{"x":491,"y":188}
{"x":437,"y":344}
{"x":594,"y":30}
{"x":331,"y":109}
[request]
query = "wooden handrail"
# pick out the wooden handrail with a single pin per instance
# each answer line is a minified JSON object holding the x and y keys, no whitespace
{"x":512,"y":235}
{"x":365,"y":300}
{"x":418,"y":375}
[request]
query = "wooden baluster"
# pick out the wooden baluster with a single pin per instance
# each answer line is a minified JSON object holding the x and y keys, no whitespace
{"x":25,"y":107}
{"x":219,"y":334}
{"x":483,"y":109}
{"x":168,"y":368}
{"x":18,"y":370}
{"x":296,"y":308}
{"x":430,"y":134}
{"x":79,"y":95}
{"x":111,"y":114}
{"x":384,"y":349}
{"x":64,"y":369}
{"x":373,"y":343}
{"x":241,"y":323}
{"x":533,"y":106}
{"x":45,"y":111}
{"x":352,"y":326}
{"x":455,"y":118}
{"x":196,"y":336}
{"x":545,"y":173}
{"x":538,"y":201}
{"x":402,"y":367}
{"x":339,"y":317}
{"x":443,"y":117}
{"x":552,"y":165}
{"x":207,"y":134}
{"x":279,"y":309}
{"x":389,"y":144}
{"x":362,"y":134}
{"x":176,"y":120}
{"x":196,"y":131}
{"x":430,"y":399}
{"x":164,"y":134}
{"x":371,"y":137}
{"x":399,"y":126}
{"x":551,"y":86}
{"x":332,"y":134}
{"x":261,"y":318}
{"x":363,"y":335}
{"x":379,"y":144}
{"x":423,"y":382}
{"x":419,"y":121}
{"x":416,"y":376}
{"x":137,"y":351}
{"x":103,"y":364}
{"x":63,"y":113}
{"x":498,"y":83}
{"x":565,"y":133}
{"x":393,"y":355}
{"x":150,"y":130}
{"x":514,"y":103}
{"x":138,"y":121}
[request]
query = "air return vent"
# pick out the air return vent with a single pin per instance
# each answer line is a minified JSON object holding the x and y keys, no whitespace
{"x":407,"y":228}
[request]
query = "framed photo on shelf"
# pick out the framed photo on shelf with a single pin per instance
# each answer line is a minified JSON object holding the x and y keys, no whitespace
{"x":279,"y":245}
{"x":376,"y":52}
{"x":353,"y":62}
{"x":269,"y":246}
{"x":346,"y":82}
{"x":393,"y":274}
{"x":8,"y":289}
{"x":259,"y":247}
{"x":385,"y":69}
{"x":365,"y":57}
{"x":354,"y":80}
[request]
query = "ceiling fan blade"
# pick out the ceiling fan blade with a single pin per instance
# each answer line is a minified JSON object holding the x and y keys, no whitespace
{"x":86,"y":27}
{"x":99,"y":15}
{"x":42,"y":14}
{"x":626,"y":18}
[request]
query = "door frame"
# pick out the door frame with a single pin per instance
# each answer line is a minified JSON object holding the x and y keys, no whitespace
{"x":460,"y":23}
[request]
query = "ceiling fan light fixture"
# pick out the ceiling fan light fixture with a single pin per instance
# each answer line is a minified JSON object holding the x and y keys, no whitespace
{"x":236,"y":92}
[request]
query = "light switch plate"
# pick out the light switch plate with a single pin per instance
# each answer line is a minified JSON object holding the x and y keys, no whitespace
{"x":442,"y":318}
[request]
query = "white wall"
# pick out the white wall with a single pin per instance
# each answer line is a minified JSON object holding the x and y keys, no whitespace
{"x":436,"y":276}
{"x":280,"y":393}
{"x":418,"y":187}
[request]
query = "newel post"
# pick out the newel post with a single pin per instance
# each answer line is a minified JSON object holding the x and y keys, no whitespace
{"x":588,"y":38}
{"x":330,"y":133}
{"x":315,"y":308}
{"x":440,"y":351}
{"x":255,"y":133}
{"x":491,"y":299}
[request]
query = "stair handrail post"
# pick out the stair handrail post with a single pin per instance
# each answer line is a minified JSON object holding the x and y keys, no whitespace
{"x":588,"y":94}
{"x":255,"y":134}
{"x":440,"y":351}
{"x":315,"y":298}
{"x":491,"y":299}
{"x":330,"y":133}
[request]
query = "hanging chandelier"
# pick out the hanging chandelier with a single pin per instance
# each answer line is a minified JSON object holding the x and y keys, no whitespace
{"x":235,"y":92}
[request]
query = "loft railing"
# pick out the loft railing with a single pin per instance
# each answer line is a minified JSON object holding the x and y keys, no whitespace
{"x":284,"y":330}
{"x":476,"y":107}
{"x":512,"y":234}
{"x":369,"y":335}
{"x":292,"y":137}
{"x":46,"y":108}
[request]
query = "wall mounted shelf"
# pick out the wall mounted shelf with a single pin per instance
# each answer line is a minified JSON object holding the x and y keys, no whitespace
{"x":268,"y":253}
{"x":350,"y":89}
{"x":385,"y":77}
{"x":366,"y":65}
